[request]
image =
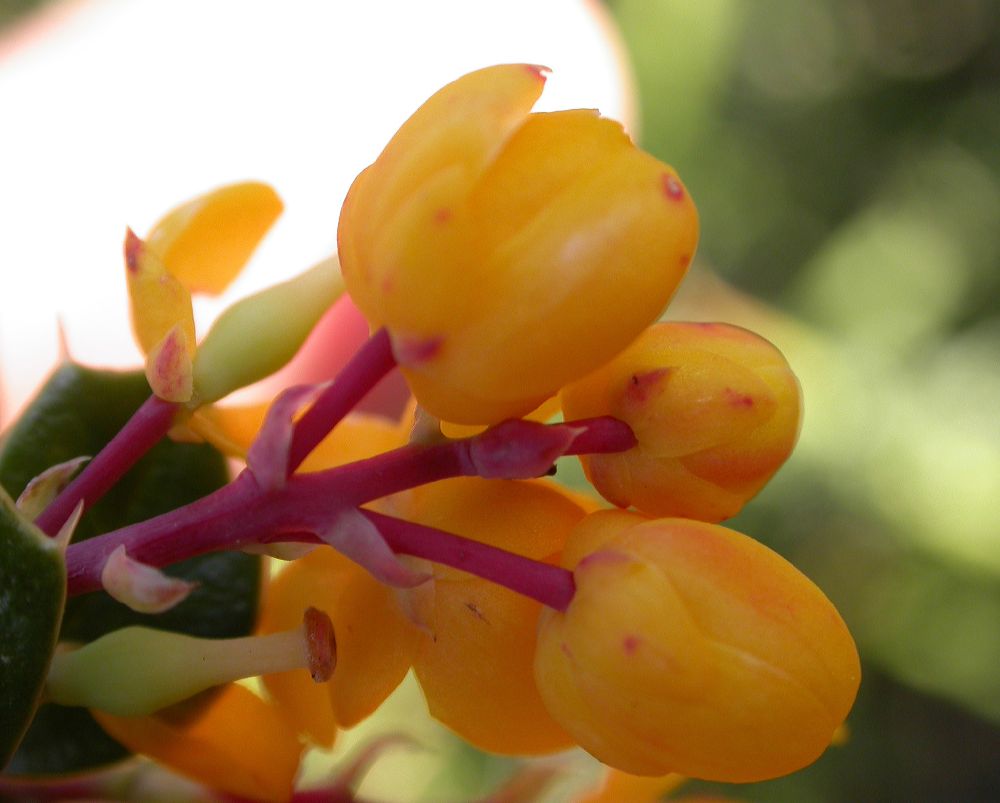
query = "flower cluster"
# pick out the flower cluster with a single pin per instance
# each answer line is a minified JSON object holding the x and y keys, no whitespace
{"x":513,"y":265}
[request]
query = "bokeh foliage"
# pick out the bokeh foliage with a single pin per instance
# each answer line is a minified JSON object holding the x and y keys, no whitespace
{"x":845,"y":157}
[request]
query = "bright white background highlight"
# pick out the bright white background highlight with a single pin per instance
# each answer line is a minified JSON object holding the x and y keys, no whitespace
{"x":115,"y":111}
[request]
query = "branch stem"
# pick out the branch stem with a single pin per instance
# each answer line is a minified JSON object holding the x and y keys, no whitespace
{"x":140,"y":434}
{"x":363,"y":371}
{"x":242,"y":513}
{"x":550,"y":585}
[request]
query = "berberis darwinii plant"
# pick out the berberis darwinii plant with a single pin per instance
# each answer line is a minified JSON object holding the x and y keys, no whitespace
{"x":505,"y":260}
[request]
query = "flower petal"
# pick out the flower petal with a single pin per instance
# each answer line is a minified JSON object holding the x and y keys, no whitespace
{"x":353,"y":535}
{"x":457,"y":132}
{"x":313,"y":581}
{"x":142,"y":588}
{"x":238,"y":744}
{"x":205,"y":242}
{"x":375,"y":642}
{"x":267,"y":456}
{"x":169,"y":367}
{"x":158,"y":301}
{"x":618,"y":786}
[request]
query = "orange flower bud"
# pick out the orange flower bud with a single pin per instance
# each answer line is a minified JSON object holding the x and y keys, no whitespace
{"x":484,"y":238}
{"x":715,"y":409}
{"x":475,"y":663}
{"x":375,"y":639}
{"x":691,"y":648}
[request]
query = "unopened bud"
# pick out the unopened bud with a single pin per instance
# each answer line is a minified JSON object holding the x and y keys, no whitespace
{"x":257,"y":335}
{"x":138,"y":670}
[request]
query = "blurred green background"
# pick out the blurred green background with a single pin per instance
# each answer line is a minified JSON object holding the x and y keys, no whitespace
{"x":845,"y":157}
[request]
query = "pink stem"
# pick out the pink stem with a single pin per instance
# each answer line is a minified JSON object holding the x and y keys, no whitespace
{"x":242,"y":513}
{"x":550,"y":585}
{"x":140,"y":434}
{"x":363,"y":371}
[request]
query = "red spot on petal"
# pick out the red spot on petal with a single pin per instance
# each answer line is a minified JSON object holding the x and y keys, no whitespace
{"x":739,"y":400}
{"x":672,"y":187}
{"x":685,"y":260}
{"x":133,"y":248}
{"x":442,"y":215}
{"x":604,"y":556}
{"x":538,"y":71}
{"x":412,"y":351}
{"x":642,"y":386}
{"x":630,"y":644}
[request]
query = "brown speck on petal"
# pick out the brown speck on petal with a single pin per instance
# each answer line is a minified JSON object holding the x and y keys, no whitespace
{"x":641,"y":386}
{"x":321,"y":644}
{"x":475,"y":611}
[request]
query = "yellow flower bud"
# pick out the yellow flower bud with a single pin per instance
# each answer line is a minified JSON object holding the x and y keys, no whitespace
{"x":475,"y":662}
{"x":486,"y":239}
{"x":691,"y":648}
{"x":715,"y":410}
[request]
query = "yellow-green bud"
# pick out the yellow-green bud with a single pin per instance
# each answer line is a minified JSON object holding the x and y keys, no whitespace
{"x":138,"y":670}
{"x":256,"y":336}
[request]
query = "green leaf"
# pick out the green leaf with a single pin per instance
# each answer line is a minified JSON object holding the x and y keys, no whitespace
{"x":76,"y":413}
{"x":32,"y":593}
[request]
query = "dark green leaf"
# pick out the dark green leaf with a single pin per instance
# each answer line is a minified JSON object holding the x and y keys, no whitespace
{"x":76,"y":413}
{"x":32,"y":593}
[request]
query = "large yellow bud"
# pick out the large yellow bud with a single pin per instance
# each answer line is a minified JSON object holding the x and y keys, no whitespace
{"x":691,"y":648}
{"x":509,"y":253}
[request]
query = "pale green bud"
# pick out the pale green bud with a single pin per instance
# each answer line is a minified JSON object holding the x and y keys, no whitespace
{"x":256,"y":336}
{"x":136,"y":671}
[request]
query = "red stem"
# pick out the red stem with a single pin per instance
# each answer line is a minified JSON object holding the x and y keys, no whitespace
{"x":550,"y":585}
{"x":140,"y":434}
{"x":363,"y":371}
{"x":242,"y":513}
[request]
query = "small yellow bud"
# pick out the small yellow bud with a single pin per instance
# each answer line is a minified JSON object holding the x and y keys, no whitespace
{"x":715,"y":410}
